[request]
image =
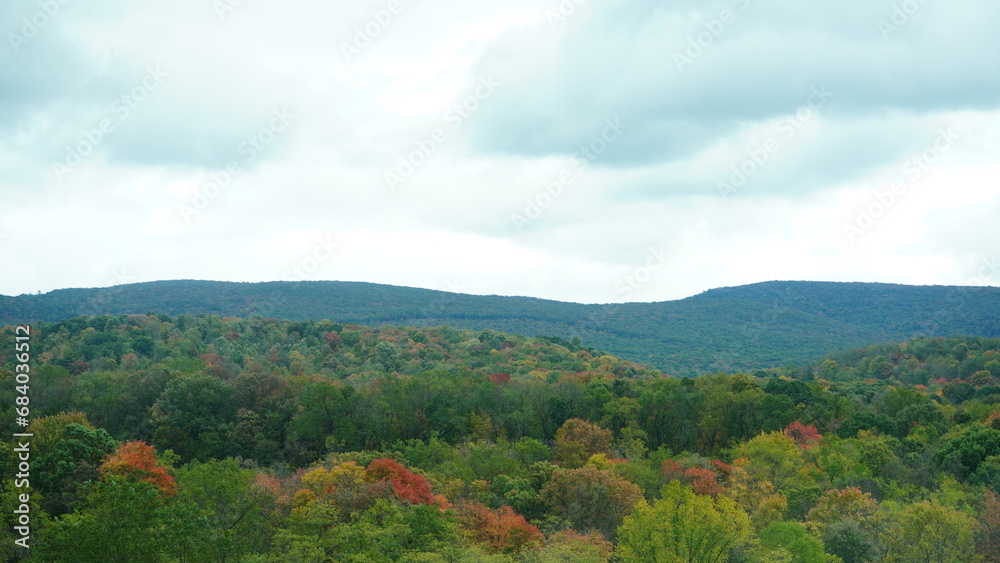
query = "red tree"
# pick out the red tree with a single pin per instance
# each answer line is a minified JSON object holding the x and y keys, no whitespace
{"x":500,"y":378}
{"x":671,"y":470}
{"x":703,"y":481}
{"x":805,"y":436}
{"x":408,"y":486}
{"x":332,"y":339}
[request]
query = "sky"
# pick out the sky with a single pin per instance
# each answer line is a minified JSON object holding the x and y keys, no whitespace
{"x":578,"y":150}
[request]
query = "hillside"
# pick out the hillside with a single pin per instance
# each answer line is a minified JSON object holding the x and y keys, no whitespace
{"x":345,"y":442}
{"x":728,"y":329}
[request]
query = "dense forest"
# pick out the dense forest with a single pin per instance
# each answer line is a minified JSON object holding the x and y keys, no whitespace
{"x":204,"y":438}
{"x":744,"y":328}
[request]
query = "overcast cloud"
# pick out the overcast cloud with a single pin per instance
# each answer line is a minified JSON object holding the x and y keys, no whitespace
{"x":582,"y":150}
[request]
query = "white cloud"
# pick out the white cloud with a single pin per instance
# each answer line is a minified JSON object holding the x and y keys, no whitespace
{"x":653,"y":191}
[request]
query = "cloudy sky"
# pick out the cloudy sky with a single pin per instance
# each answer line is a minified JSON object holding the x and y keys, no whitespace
{"x":582,"y":150}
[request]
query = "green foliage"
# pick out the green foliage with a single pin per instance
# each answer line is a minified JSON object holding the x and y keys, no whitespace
{"x":791,"y":538}
{"x":682,"y":526}
{"x":931,"y":533}
{"x":971,"y":449}
{"x":73,"y":460}
{"x":217,"y":513}
{"x":119,"y":522}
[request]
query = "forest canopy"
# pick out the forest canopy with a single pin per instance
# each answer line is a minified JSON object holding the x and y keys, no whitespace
{"x":206,"y":438}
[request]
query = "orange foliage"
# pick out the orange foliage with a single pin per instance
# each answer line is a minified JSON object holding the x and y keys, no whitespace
{"x":501,"y":530}
{"x":500,"y":378}
{"x":282,"y":489}
{"x":138,"y":460}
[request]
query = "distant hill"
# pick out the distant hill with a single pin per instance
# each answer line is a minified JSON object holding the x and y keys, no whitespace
{"x":738,"y":328}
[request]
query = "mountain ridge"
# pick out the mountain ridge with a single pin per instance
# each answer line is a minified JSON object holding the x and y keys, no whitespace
{"x":766,"y":324}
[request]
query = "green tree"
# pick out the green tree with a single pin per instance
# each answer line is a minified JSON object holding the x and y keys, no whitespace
{"x":927,"y":532}
{"x":73,"y":460}
{"x":385,"y":355}
{"x":970,"y":449}
{"x":228,"y":508}
{"x":682,"y":527}
{"x":792,"y":538}
{"x":119,"y":522}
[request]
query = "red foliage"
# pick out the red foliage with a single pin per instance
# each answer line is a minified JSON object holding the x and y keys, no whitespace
{"x":500,"y":378}
{"x":672,"y":470}
{"x":408,"y":486}
{"x":703,"y":481}
{"x":138,"y":460}
{"x":723,"y":469}
{"x":805,"y":436}
{"x":501,"y":530}
{"x":231,"y":336}
{"x":332,"y":339}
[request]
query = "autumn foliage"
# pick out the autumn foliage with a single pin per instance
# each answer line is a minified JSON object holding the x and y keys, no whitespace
{"x":577,"y":440}
{"x":138,"y":460}
{"x":805,"y":436}
{"x":501,"y":530}
{"x":408,"y":486}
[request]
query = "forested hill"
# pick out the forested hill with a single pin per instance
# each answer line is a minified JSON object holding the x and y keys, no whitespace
{"x":729,"y":329}
{"x":895,"y":310}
